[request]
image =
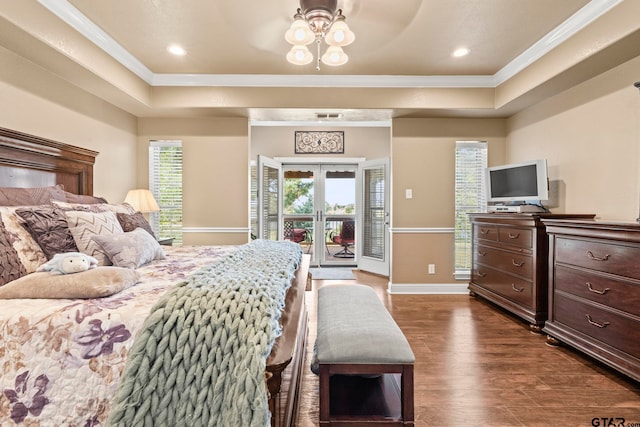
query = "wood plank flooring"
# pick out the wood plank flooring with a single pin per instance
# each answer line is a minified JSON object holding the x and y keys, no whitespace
{"x":477,"y":365}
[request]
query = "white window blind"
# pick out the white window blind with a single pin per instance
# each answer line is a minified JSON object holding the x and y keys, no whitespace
{"x":165,"y":182}
{"x":374,"y":213}
{"x":470,"y":196}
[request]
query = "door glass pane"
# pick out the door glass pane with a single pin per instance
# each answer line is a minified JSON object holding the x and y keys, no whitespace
{"x":298,"y":192}
{"x":374,"y":213}
{"x":298,"y":210}
{"x":340,"y":214}
{"x":270,"y":203}
{"x":340,"y":193}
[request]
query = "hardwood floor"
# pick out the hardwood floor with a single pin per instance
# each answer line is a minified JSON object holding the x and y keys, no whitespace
{"x":477,"y":365}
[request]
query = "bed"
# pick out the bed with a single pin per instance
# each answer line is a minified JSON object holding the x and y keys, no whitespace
{"x":87,"y":361}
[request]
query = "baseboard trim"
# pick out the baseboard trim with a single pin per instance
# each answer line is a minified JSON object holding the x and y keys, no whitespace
{"x":428,"y":288}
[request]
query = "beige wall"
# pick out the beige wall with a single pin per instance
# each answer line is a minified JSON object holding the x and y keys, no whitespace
{"x":423,"y":160}
{"x":215,"y":175}
{"x":590,"y":136}
{"x":37,"y":102}
{"x":278,"y":141}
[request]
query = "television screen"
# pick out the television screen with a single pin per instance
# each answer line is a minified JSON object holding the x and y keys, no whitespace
{"x":518,"y":182}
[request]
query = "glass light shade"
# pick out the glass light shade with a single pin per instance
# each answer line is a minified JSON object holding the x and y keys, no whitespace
{"x":299,"y":55}
{"x":339,"y":34}
{"x":299,"y":33}
{"x":335,"y":56}
{"x":142,"y":200}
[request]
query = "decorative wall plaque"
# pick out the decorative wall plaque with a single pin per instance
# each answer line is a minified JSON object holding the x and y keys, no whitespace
{"x":331,"y":142}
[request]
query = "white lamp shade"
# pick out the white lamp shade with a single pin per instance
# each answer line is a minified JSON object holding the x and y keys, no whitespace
{"x":299,"y":33}
{"x":335,"y":56}
{"x":339,"y":34}
{"x":299,"y":55}
{"x":142,"y":200}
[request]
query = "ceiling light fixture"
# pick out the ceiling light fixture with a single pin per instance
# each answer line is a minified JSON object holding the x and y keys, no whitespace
{"x":460,"y":52}
{"x":176,"y":50}
{"x":316,"y":20}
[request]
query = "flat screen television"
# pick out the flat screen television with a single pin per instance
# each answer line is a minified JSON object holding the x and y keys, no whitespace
{"x":518,"y":183}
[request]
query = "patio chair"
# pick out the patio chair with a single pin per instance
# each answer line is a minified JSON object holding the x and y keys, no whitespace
{"x":346,"y":238}
{"x":297,"y":235}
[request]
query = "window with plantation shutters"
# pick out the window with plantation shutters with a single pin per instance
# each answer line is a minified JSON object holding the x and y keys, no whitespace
{"x":470,"y":196}
{"x":165,"y":182}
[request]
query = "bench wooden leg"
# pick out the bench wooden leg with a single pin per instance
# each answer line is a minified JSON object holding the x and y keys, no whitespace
{"x":324,"y":395}
{"x":406,"y":391}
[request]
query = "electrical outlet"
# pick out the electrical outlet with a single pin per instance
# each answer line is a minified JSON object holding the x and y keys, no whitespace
{"x":408,"y":193}
{"x":432,"y":269}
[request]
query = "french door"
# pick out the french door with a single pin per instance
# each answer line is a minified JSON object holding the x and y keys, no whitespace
{"x":319,"y":211}
{"x":375,"y":217}
{"x":338,"y":213}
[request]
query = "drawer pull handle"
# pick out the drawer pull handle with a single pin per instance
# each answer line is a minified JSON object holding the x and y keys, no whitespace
{"x":514,"y":236}
{"x":597,"y":291}
{"x":481,"y":274}
{"x":599,"y":325}
{"x":484,"y":231}
{"x":481,"y":253}
{"x":517,"y":264}
{"x":513,"y":286}
{"x":595,"y":258}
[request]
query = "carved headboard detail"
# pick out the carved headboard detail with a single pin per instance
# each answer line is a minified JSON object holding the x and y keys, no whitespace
{"x":31,"y":161}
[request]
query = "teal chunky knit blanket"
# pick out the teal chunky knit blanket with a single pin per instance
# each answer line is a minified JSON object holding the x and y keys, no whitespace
{"x":200,"y":357}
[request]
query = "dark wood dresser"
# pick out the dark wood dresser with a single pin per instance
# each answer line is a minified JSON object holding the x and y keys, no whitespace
{"x":594,"y":290}
{"x":509,"y":262}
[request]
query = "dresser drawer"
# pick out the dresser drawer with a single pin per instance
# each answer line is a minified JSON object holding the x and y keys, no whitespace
{"x":595,"y":287}
{"x":520,"y":264}
{"x":612,"y":328}
{"x":513,"y":288}
{"x":486,"y":232}
{"x":612,"y":258}
{"x":516,"y":236}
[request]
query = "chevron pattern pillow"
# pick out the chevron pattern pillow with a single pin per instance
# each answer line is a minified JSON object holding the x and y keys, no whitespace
{"x":84,"y":226}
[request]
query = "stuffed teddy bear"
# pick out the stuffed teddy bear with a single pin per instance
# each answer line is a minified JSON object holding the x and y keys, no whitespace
{"x":69,"y":262}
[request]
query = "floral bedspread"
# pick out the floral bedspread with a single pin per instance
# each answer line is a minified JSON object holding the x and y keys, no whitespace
{"x":60,"y":360}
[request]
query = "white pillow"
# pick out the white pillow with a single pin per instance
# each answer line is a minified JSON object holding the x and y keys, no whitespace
{"x":84,"y":226}
{"x":130,"y":249}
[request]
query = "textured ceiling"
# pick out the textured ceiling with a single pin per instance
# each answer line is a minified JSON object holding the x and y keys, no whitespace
{"x":408,"y":37}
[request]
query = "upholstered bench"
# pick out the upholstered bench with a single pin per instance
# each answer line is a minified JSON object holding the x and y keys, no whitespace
{"x":358,"y":338}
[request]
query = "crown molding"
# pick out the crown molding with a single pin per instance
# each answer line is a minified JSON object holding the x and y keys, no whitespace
{"x":579,"y":20}
{"x":340,"y":81}
{"x":78,"y":21}
{"x":73,"y":17}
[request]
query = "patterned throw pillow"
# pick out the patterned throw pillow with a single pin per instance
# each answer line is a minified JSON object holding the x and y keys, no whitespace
{"x":31,"y":196}
{"x":10,"y":266}
{"x":95,"y":207}
{"x":85,"y":226}
{"x":136,"y":220}
{"x":29,"y":252}
{"x":48,"y":226}
{"x":132,"y":249}
{"x":79,"y":198}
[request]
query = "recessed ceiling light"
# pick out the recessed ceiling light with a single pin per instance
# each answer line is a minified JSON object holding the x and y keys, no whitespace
{"x":460,"y":52}
{"x":177,"y":50}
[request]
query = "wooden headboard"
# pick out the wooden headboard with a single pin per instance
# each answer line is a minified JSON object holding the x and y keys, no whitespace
{"x":30,"y":161}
